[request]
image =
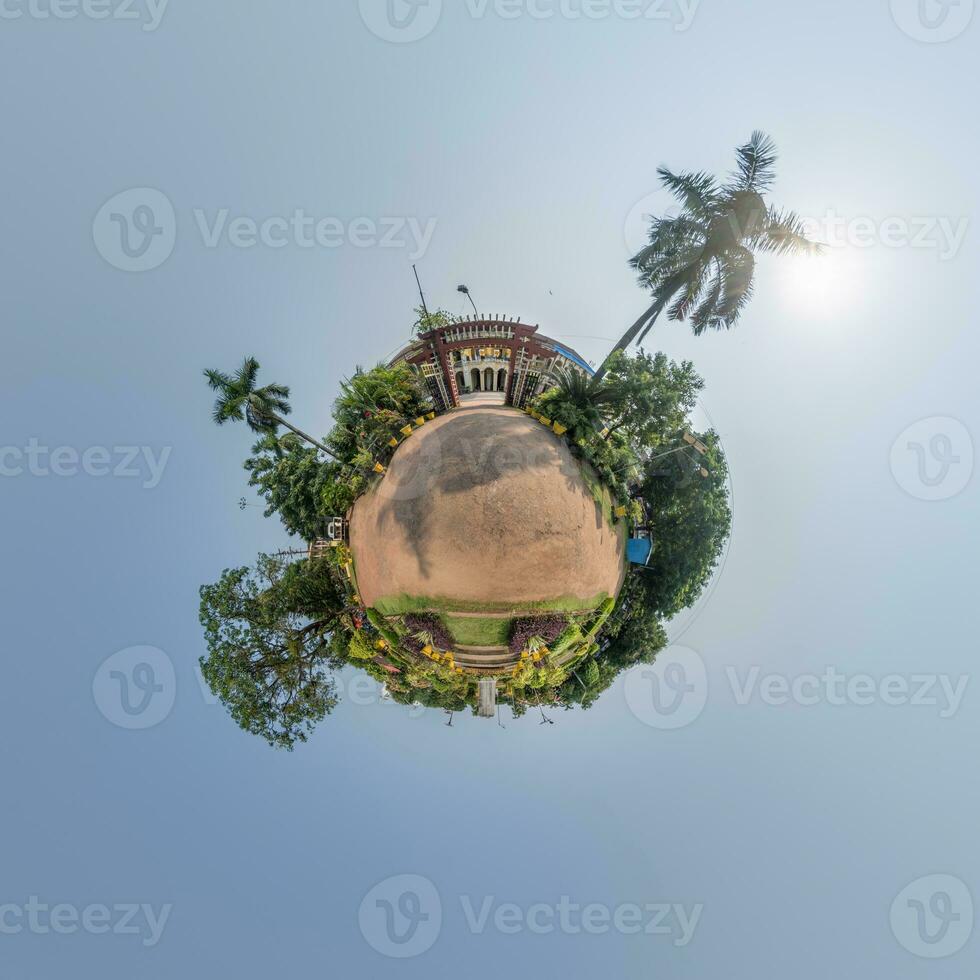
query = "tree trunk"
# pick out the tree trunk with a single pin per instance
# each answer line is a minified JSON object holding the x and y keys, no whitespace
{"x":292,"y":428}
{"x":647,"y":318}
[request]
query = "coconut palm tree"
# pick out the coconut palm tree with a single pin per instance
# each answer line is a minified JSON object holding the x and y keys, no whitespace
{"x":701,"y":263}
{"x":261,"y":408}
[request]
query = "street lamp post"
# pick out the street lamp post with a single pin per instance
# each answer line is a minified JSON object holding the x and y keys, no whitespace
{"x":466,"y":292}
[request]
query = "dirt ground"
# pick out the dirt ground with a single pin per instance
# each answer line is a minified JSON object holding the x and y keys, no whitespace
{"x":484,"y":505}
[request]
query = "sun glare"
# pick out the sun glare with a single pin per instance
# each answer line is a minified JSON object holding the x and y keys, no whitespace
{"x":818,"y":284}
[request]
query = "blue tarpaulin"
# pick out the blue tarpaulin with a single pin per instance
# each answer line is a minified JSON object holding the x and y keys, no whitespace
{"x":638,"y":550}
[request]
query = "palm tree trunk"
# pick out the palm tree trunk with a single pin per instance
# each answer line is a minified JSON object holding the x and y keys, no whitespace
{"x":303,"y":435}
{"x":646,"y":320}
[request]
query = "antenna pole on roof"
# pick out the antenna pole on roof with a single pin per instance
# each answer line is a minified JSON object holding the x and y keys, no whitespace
{"x":425,"y":309}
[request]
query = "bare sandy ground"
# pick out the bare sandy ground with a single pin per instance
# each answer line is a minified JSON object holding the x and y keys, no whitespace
{"x":484,"y":505}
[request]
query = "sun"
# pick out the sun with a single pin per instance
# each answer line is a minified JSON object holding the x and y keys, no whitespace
{"x":819,"y":284}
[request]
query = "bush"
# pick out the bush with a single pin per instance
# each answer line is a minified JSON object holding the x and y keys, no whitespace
{"x":549,"y":628}
{"x":442,"y":639}
{"x":360,"y":647}
{"x":382,"y":626}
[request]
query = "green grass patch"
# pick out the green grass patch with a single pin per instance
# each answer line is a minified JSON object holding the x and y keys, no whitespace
{"x":600,"y":494}
{"x":399,"y":605}
{"x":478,"y":631}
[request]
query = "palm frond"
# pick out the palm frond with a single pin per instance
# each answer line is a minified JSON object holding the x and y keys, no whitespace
{"x":273,"y":398}
{"x":755,"y":163}
{"x":226,"y":410}
{"x":737,"y":271}
{"x":668,"y":237}
{"x":217,"y":379}
{"x":696,"y":191}
{"x":246,"y":374}
{"x":784,"y":233}
{"x":702,"y":316}
{"x":692,"y":289}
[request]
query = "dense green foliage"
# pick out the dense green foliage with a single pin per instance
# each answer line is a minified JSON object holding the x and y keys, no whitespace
{"x":641,"y":406}
{"x":270,"y":638}
{"x":299,"y":486}
{"x":372,"y":406}
{"x":426,"y":321}
{"x":691,"y":521}
{"x":630,"y":427}
{"x":305,"y":489}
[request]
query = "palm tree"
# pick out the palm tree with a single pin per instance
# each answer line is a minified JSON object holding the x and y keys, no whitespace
{"x":261,"y":408}
{"x":704,"y":259}
{"x":589,"y":394}
{"x":426,"y":639}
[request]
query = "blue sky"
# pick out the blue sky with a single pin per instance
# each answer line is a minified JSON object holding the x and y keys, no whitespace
{"x":820,"y":761}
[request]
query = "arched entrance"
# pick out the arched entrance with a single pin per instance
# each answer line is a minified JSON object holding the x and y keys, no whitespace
{"x":475,"y":376}
{"x":488,"y":379}
{"x":460,"y":383}
{"x":502,"y":379}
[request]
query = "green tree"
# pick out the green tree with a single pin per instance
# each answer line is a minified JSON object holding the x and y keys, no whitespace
{"x":425,"y":321}
{"x":269,"y":633}
{"x":652,"y":398}
{"x":580,"y":403}
{"x":691,"y":521}
{"x":299,"y":486}
{"x":701,"y":264}
{"x":371,"y":408}
{"x":263,"y":409}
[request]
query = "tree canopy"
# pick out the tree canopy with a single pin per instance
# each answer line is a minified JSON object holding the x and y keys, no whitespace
{"x":691,"y":520}
{"x":270,"y":649}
